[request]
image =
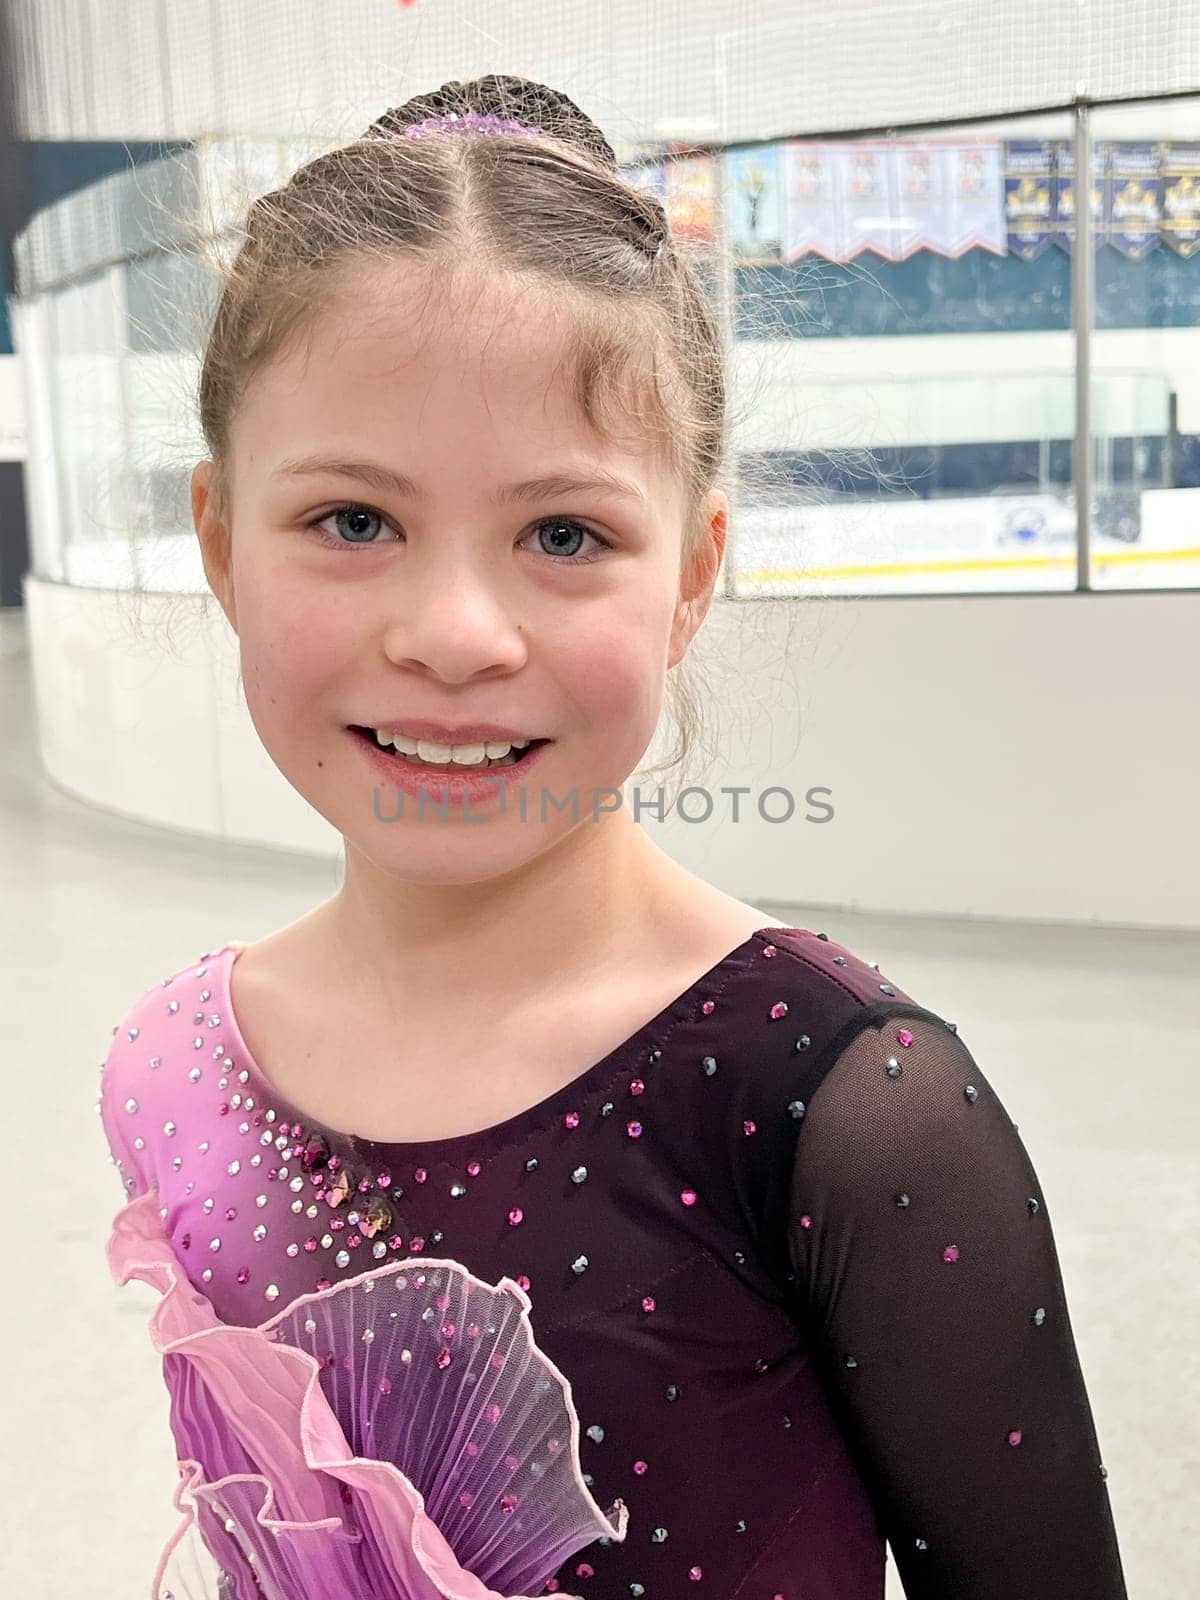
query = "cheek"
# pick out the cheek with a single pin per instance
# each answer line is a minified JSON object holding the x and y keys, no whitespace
{"x":291,"y":638}
{"x":613,"y":665}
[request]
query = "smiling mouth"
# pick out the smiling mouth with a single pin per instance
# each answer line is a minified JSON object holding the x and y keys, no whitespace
{"x":514,"y":758}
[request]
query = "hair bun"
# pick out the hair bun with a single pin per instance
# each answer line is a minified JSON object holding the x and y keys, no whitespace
{"x":503,"y":95}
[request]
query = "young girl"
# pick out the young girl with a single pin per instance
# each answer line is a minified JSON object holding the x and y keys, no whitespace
{"x":529,"y":1217}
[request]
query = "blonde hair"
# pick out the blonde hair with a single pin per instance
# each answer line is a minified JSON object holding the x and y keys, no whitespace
{"x":550,"y":210}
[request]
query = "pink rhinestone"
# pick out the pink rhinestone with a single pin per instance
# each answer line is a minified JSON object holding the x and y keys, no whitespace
{"x":511,"y":1462}
{"x":688,"y":1196}
{"x":905,"y":1037}
{"x":634,"y":1130}
{"x":385,"y":1386}
{"x":243,"y":1275}
{"x":806,"y":1222}
{"x":508,"y":1503}
{"x":779,"y":1009}
{"x":443,"y":1359}
{"x":637,"y":1086}
{"x":709,"y":1007}
{"x":467,"y":1499}
{"x":515,"y":1216}
{"x":230,"y":1213}
{"x":748,"y":1126}
{"x":420,"y":1175}
{"x":384,"y":1180}
{"x":310,"y":1244}
{"x":648,"y":1302}
{"x":416,"y":1244}
{"x":571,"y":1120}
{"x":768,"y":950}
{"x":1014,"y":1437}
{"x":492,"y":1412}
{"x":395,"y":1242}
{"x":950,"y":1253}
{"x":523,"y":1283}
{"x":640,"y":1468}
{"x":323,"y":1283}
{"x":695,"y":1573}
{"x":585,"y":1570}
{"x":473,"y":1168}
{"x":472,"y":1330}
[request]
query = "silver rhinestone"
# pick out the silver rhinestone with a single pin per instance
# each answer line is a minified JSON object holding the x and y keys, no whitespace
{"x":169,"y":1129}
{"x":172,"y":1006}
{"x":271,"y":1291}
{"x":710,"y":1066}
{"x":580,"y":1264}
{"x":797,"y":1108}
{"x":131,"y":1105}
{"x":234,"y":1168}
{"x":458,"y":1189}
{"x":214,"y":1244}
{"x":342,"y":1258}
{"x":894,"y":1069}
{"x":579,"y":1175}
{"x":260,"y":1233}
{"x":971,"y":1093}
{"x":309,"y":1325}
{"x":195,"y":1075}
{"x":887,"y":988}
{"x":368,"y":1336}
{"x":1039,"y":1316}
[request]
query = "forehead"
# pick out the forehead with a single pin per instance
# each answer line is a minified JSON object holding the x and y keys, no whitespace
{"x":466,"y":366}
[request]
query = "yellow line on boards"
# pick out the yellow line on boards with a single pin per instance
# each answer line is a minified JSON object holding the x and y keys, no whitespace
{"x":996,"y":564}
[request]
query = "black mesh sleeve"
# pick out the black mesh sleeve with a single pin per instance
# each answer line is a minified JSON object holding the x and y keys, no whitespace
{"x":929,"y":1284}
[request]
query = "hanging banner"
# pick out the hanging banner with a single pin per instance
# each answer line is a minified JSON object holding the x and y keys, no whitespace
{"x":1100,"y":191}
{"x":1028,"y":196}
{"x":872,"y":216}
{"x":812,"y":220}
{"x":1135,"y":222}
{"x":950,"y":197}
{"x":1179,"y":167}
{"x":753,"y":180}
{"x":690,"y":198}
{"x":975,"y":212}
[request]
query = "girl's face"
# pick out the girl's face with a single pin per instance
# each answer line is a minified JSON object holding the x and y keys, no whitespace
{"x":447,"y":597}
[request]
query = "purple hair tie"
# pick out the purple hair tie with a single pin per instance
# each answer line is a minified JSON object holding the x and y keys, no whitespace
{"x":469,"y":122}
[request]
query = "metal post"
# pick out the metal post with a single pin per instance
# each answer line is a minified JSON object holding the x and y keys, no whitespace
{"x":1082,"y":304}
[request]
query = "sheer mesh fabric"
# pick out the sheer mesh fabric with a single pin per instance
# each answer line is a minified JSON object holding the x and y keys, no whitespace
{"x":929,"y":1283}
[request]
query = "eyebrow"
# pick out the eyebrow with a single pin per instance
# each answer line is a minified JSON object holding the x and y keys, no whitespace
{"x":596,"y":481}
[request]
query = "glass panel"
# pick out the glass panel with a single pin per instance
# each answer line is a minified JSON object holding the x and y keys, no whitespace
{"x":1145,"y":389}
{"x":89,"y":433}
{"x":903,"y":381}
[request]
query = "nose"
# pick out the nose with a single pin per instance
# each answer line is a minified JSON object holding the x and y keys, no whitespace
{"x":454,"y":621}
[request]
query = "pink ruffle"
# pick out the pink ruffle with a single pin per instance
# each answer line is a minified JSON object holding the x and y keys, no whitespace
{"x":270,"y":1400}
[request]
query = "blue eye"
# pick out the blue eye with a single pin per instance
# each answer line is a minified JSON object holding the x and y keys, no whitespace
{"x":358,"y":510}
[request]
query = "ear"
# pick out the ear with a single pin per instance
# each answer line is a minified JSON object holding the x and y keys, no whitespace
{"x":214,"y":540}
{"x":698,"y":580}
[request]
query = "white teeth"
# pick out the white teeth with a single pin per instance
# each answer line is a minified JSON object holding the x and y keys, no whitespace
{"x":469,"y":755}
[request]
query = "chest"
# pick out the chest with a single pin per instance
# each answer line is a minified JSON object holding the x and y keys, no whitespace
{"x":404,"y":1086}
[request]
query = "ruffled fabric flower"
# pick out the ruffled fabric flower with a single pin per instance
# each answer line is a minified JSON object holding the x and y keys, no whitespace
{"x":397,"y":1436}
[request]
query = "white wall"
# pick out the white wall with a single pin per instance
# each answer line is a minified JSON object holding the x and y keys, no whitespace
{"x":1007,"y":756}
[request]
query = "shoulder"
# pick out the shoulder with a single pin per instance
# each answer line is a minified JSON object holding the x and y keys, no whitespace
{"x":824,"y":992}
{"x":153,"y":1045}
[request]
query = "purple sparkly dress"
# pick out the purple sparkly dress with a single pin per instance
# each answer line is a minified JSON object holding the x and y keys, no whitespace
{"x":771,"y":1284}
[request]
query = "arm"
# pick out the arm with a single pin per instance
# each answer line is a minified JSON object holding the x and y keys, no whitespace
{"x":930,"y":1284}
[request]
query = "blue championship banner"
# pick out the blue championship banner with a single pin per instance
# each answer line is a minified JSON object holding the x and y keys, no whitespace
{"x":1099,"y":190}
{"x":1179,"y":167}
{"x":1135,"y":199}
{"x":1028,"y":184}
